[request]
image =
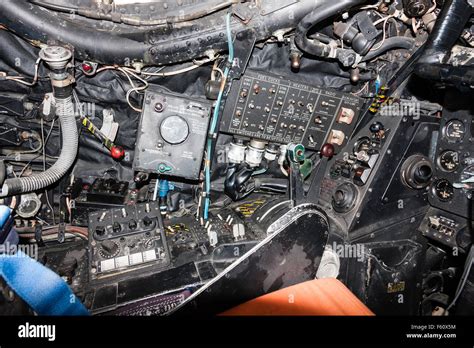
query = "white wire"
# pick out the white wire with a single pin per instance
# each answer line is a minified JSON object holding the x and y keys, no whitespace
{"x":19,"y":79}
{"x":155,"y":192}
{"x":129,"y":73}
{"x":362,"y":89}
{"x":196,"y":64}
{"x":384,"y":31}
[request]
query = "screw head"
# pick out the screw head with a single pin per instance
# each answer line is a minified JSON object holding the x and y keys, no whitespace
{"x":159,"y":107}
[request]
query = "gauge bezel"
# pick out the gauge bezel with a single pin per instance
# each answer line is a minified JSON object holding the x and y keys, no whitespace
{"x":164,"y":135}
{"x":448,"y":138}
{"x":433,"y":190}
{"x":438,"y":161}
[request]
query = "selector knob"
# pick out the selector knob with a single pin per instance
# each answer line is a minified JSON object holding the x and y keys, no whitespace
{"x":132,"y":224}
{"x":108,"y":248}
{"x":174,"y":130}
{"x":116,"y":228}
{"x":100,"y":231}
{"x":147,"y":221}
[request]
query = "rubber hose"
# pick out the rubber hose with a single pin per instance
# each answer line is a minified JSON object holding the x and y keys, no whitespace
{"x":446,"y":31}
{"x":33,"y":22}
{"x":70,"y":140}
{"x":163,"y":45}
{"x":318,"y":15}
{"x":390,"y":44}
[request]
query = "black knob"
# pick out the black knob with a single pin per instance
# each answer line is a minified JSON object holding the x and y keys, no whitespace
{"x":116,"y":228}
{"x":147,"y":221}
{"x":376,"y":127}
{"x":132,"y":224}
{"x":109,"y":247}
{"x":100,"y":231}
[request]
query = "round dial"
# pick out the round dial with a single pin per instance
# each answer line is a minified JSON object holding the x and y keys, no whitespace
{"x":443,"y":190}
{"x":454,"y":130}
{"x":448,"y":161}
{"x":174,"y":130}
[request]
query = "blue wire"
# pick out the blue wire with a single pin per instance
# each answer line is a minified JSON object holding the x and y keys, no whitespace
{"x":215,"y":117}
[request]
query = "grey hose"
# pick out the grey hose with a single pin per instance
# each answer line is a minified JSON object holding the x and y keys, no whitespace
{"x":70,"y":140}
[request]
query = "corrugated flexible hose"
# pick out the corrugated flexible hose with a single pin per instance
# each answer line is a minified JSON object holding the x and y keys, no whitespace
{"x":70,"y":140}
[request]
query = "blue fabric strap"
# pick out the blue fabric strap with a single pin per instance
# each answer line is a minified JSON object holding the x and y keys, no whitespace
{"x":37,"y":285}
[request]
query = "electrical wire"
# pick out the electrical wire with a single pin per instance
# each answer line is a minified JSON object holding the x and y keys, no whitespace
{"x":215,"y":117}
{"x":384,"y":31}
{"x":464,"y":278}
{"x":28,"y":233}
{"x":135,"y":89}
{"x":155,"y":192}
{"x":10,"y":110}
{"x":44,"y":165}
{"x":129,"y":73}
{"x":46,"y":140}
{"x":196,"y":64}
{"x":19,"y":79}
{"x":362,"y":89}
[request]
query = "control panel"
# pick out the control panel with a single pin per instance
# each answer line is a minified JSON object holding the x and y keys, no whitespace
{"x":276,"y":109}
{"x":126,"y":239}
{"x":100,"y":194}
{"x":453,"y":184}
{"x":446,"y":228}
{"x":375,"y":177}
{"x":171,"y":135}
{"x":353,"y":168}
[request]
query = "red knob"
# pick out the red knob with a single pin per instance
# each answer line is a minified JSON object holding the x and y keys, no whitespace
{"x":327,"y":150}
{"x":117,"y":152}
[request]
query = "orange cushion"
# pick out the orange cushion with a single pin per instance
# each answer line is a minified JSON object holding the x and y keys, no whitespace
{"x":315,"y":297}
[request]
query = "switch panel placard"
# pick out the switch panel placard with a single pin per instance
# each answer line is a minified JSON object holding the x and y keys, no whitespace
{"x":276,"y":109}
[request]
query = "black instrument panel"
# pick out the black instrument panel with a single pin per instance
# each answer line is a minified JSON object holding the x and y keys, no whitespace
{"x":451,"y":189}
{"x":276,"y":109}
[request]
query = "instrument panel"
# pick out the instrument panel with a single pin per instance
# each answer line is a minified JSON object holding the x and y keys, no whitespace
{"x":172,"y":134}
{"x":276,"y":109}
{"x":453,"y":181}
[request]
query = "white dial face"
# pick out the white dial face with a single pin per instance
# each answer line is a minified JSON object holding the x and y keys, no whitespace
{"x":174,"y":130}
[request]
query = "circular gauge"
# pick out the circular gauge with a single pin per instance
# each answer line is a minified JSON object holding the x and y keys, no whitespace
{"x":454,"y":130}
{"x":443,"y":190}
{"x":448,"y":161}
{"x":174,"y":130}
{"x":467,"y":175}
